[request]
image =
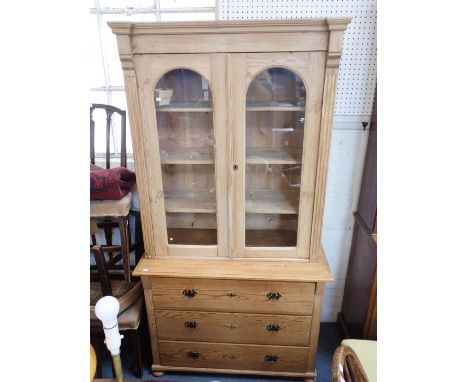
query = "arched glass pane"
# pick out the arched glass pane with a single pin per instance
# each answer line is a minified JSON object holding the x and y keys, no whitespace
{"x":274,"y":137}
{"x":184,"y":114}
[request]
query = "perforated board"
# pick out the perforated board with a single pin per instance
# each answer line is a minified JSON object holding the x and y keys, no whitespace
{"x":358,"y":72}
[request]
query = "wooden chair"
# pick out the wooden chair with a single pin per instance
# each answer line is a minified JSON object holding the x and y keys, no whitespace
{"x":131,"y":300}
{"x":346,"y":366}
{"x":111,"y":214}
{"x":355,"y":361}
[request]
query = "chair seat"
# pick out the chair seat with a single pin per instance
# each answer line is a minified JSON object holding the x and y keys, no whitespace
{"x":102,"y":208}
{"x":128,"y":319}
{"x":127,"y":293}
{"x":367,"y":354}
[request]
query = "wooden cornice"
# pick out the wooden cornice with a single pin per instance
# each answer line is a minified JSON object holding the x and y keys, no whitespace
{"x":230,"y":26}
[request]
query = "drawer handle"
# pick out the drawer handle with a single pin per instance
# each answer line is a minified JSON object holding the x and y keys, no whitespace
{"x":193,"y":354}
{"x":274,"y":296}
{"x":273,"y":328}
{"x":191,"y":324}
{"x":232,"y":294}
{"x":231,"y":326}
{"x":189,"y":293}
{"x":271,"y":358}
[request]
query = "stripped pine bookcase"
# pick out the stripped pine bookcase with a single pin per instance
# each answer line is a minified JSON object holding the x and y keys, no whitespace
{"x":231,"y":124}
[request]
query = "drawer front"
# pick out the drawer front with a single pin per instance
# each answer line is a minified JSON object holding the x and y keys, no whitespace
{"x":233,"y":295}
{"x":234,"y":327}
{"x":232,"y":356}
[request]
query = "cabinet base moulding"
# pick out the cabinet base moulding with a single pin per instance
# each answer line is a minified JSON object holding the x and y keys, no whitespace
{"x":157,"y":369}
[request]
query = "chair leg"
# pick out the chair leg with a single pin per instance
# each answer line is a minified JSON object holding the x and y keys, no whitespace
{"x":125,"y":244}
{"x":137,"y":356}
{"x":108,"y":236}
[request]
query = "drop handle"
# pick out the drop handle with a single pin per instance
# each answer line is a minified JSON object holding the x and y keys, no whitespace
{"x":191,"y":324}
{"x":271,"y":358}
{"x":273,"y":328}
{"x":193,"y":354}
{"x":274,"y":296}
{"x":189,"y":293}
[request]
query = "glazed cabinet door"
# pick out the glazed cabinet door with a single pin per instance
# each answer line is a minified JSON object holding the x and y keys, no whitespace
{"x":275,"y":103}
{"x":183,"y":99}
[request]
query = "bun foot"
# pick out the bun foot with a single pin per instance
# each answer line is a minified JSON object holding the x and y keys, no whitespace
{"x":157,"y":373}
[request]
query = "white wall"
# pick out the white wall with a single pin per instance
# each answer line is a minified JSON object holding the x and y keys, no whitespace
{"x":345,"y":167}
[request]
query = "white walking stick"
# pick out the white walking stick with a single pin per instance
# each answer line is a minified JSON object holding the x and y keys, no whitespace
{"x":107,"y":309}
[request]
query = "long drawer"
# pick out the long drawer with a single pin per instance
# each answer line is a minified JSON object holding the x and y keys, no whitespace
{"x":233,"y":356}
{"x":234,"y":327}
{"x":233,"y":295}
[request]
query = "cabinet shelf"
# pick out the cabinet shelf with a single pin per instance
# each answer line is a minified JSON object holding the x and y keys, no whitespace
{"x":281,"y":155}
{"x":190,"y":200}
{"x":274,"y":238}
{"x":272,"y":202}
{"x":188,"y":156}
{"x":274,"y":106}
{"x":189,"y":236}
{"x":195,"y":106}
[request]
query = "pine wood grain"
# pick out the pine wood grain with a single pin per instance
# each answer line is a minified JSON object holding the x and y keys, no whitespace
{"x":220,"y":118}
{"x":220,"y":268}
{"x":231,"y":279}
{"x":150,"y":311}
{"x":233,"y":356}
{"x":190,"y":200}
{"x":233,"y":296}
{"x":234,"y":327}
{"x":271,"y":201}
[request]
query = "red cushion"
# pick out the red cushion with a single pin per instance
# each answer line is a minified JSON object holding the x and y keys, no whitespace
{"x":111,"y":184}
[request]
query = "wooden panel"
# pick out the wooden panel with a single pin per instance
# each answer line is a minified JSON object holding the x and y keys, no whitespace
{"x":218,"y":72}
{"x":192,"y":251}
{"x":233,"y":327}
{"x":236,"y":106}
{"x":314,"y":82}
{"x":190,"y":200}
{"x":257,"y":62}
{"x":151,"y":69}
{"x":359,"y":281}
{"x":322,"y":160}
{"x":272,"y":201}
{"x":272,"y":253}
{"x":231,"y":26}
{"x":230,"y":43}
{"x":370,"y":327}
{"x":272,"y":238}
{"x":221,"y":268}
{"x":233,"y":296}
{"x":151,"y":247}
{"x":315,"y":327}
{"x":233,"y":356}
{"x":151,"y":318}
{"x":186,"y":156}
{"x":191,"y":236}
{"x":273,"y":156}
